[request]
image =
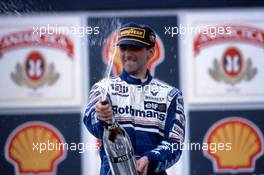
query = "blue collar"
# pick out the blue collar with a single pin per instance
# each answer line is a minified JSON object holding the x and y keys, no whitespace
{"x":131,"y":80}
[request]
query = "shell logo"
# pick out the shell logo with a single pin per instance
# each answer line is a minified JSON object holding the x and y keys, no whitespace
{"x":111,"y":50}
{"x":246,"y":145}
{"x":21,"y":148}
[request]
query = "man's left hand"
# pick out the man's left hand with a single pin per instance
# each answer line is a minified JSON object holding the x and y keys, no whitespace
{"x":142,"y":165}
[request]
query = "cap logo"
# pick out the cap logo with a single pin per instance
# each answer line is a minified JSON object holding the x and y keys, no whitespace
{"x":132,"y":31}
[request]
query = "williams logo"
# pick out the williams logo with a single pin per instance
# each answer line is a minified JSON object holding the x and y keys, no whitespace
{"x":23,"y":146}
{"x":112,"y":51}
{"x":35,"y":72}
{"x":232,"y":69}
{"x":245,"y":145}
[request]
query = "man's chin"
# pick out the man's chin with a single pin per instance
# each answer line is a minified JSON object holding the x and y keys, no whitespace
{"x":131,"y":72}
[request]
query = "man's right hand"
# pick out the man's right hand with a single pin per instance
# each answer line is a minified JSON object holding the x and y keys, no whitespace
{"x":104,"y":111}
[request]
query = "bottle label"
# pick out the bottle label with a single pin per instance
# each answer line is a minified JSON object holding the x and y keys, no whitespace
{"x":123,"y":158}
{"x":110,"y":125}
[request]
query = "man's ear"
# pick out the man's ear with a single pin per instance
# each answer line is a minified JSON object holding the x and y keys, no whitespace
{"x":151,"y":52}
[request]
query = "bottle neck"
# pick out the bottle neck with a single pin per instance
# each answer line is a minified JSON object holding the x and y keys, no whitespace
{"x":110,"y":124}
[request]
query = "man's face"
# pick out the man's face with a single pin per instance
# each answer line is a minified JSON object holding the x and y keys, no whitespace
{"x":135,"y":58}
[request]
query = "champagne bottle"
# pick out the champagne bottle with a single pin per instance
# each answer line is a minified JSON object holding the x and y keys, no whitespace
{"x":118,"y":148}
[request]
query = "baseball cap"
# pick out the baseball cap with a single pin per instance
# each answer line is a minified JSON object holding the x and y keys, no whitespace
{"x":136,"y":34}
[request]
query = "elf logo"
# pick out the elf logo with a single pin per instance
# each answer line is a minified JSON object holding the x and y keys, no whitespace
{"x":159,"y":107}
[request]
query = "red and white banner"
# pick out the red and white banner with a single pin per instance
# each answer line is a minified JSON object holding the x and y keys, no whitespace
{"x":40,"y":62}
{"x":224,"y":54}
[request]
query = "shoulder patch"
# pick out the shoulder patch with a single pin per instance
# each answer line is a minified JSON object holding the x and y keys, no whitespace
{"x":172,"y":93}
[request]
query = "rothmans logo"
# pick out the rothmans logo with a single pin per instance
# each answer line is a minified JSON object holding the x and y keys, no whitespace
{"x":245,"y":142}
{"x":139,"y":113}
{"x":19,"y":150}
{"x":132,"y":31}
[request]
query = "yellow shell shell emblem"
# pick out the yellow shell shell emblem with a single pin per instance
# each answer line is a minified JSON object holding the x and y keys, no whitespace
{"x":246,"y":145}
{"x":23,"y":148}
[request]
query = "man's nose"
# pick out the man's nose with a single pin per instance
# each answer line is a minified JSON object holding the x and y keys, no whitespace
{"x":126,"y":53}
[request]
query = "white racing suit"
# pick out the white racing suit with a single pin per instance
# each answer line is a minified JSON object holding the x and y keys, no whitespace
{"x":151,"y":112}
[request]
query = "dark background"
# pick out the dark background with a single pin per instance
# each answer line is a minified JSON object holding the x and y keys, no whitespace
{"x":15,"y":6}
{"x":167,"y":71}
